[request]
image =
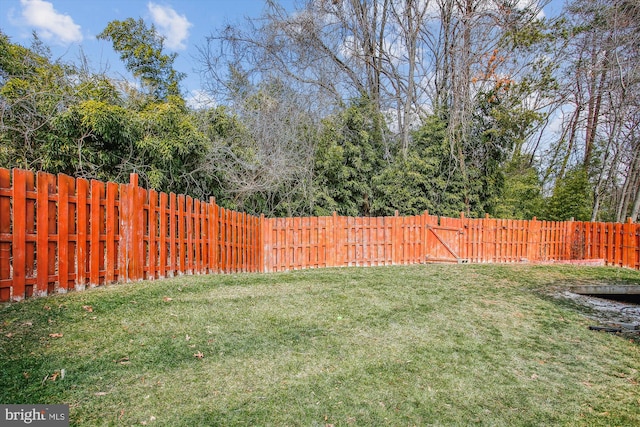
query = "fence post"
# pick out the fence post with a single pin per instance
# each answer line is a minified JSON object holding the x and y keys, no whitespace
{"x":395,"y":246}
{"x":263,"y":245}
{"x":333,"y":241}
{"x":129,"y":233}
{"x":635,"y":246}
{"x":627,"y":237}
{"x":568,"y":239}
{"x":533,"y":239}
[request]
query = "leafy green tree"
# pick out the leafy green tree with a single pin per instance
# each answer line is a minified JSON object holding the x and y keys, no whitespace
{"x":141,"y":49}
{"x":426,"y":179}
{"x":349,"y":154}
{"x":571,"y":197}
{"x":91,"y":139}
{"x":171,"y":149}
{"x":521,"y":196}
{"x":33,"y":91}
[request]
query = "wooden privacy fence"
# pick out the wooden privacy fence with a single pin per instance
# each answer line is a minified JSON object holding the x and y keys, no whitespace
{"x":59,"y":233}
{"x":333,"y":241}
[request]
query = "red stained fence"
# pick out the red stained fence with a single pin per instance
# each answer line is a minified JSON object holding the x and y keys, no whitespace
{"x":59,"y":233}
{"x":334,"y":241}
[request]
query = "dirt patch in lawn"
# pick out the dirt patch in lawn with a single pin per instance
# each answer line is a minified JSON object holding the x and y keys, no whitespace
{"x":610,"y":315}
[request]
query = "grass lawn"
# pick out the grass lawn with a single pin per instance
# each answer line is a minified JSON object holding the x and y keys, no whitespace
{"x":415,"y":345}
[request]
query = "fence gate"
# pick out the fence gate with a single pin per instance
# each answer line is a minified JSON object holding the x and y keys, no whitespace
{"x":444,"y":243}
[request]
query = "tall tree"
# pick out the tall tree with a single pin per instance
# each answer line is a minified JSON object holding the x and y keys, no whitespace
{"x":599,"y":93}
{"x":33,"y":91}
{"x":141,"y":49}
{"x":349,"y":154}
{"x":262,"y":152}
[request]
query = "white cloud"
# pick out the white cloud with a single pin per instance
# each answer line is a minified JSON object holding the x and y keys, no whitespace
{"x":49,"y":23}
{"x":174,"y":27}
{"x":533,"y":5}
{"x":199,"y":99}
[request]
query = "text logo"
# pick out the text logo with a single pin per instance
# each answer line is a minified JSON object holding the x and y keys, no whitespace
{"x":34,"y":415}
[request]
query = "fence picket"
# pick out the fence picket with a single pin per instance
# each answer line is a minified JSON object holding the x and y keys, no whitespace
{"x":82,"y":225}
{"x":96,"y":262}
{"x":19,"y":251}
{"x":45,"y":187}
{"x":6,"y":283}
{"x":153,"y":238}
{"x":112,"y":218}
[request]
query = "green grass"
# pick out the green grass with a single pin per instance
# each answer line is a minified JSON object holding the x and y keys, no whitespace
{"x":418,"y":345}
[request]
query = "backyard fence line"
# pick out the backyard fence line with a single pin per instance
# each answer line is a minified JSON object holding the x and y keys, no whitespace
{"x":59,"y":233}
{"x":333,"y":241}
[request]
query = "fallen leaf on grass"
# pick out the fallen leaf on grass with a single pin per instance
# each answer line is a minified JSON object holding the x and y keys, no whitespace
{"x":46,"y":307}
{"x":167,"y":299}
{"x":198,"y":355}
{"x":123,"y":360}
{"x":100,"y":393}
{"x":9,"y":335}
{"x":56,"y":335}
{"x":88,"y":308}
{"x":534,"y":376}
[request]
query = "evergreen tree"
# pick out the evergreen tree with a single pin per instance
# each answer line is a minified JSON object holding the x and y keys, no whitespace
{"x":141,"y":49}
{"x":349,"y":154}
{"x":571,"y":197}
{"x":426,"y":179}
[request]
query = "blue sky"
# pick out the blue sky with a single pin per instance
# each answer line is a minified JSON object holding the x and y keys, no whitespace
{"x":70,"y":26}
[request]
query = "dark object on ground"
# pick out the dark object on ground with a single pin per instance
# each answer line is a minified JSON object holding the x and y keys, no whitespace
{"x":605,"y":329}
